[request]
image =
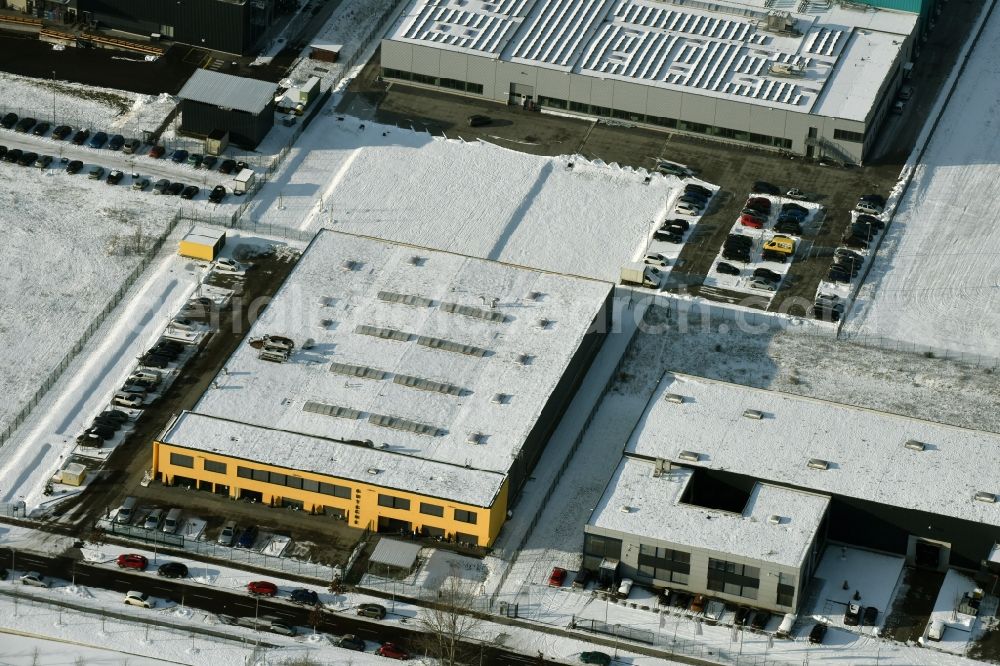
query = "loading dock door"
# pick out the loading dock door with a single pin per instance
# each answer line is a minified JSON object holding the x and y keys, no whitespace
{"x":519,"y":92}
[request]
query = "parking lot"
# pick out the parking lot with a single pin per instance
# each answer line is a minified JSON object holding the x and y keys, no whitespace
{"x":733,"y":168}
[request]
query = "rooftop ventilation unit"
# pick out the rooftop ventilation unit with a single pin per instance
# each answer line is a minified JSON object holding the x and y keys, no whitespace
{"x":689,"y":456}
{"x":525,"y":359}
{"x":753,"y":414}
{"x":478,"y":313}
{"x":384,"y":333}
{"x":675,"y":398}
{"x":659,"y":467}
{"x":373,"y":470}
{"x":351,"y":265}
{"x":429,"y":385}
{"x":546,"y":324}
{"x":774,"y":519}
{"x":625,"y":508}
{"x":536,"y":296}
{"x":501,"y":399}
{"x":449,"y":346}
{"x":362,"y":371}
{"x":476,"y":438}
{"x":816,"y":463}
{"x":330,"y":410}
{"x":405,"y":299}
{"x":983,"y":496}
{"x":403,"y":424}
{"x":914,"y":445}
{"x":418,"y":261}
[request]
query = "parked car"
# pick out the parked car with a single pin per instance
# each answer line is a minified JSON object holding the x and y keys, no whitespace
{"x":194,"y":159}
{"x":3,"y":152}
{"x":282,"y":628}
{"x":98,"y":140}
{"x":751,"y":221}
{"x":172,"y":570}
{"x":592,"y":657}
{"x":61,"y":132}
{"x":788,"y":227}
{"x":764,"y":187}
{"x":762,"y":284}
{"x":694,"y":199}
{"x":247,"y":537}
{"x":13,"y":155}
{"x":127,"y":400}
{"x":34,"y":579}
{"x":27,"y":159}
{"x":227,"y":166}
{"x":131,"y":146}
{"x":227,"y":534}
{"x":176,"y":188}
{"x":767,"y":274}
{"x":479,"y":120}
{"x":759,"y":204}
{"x":695,"y":187}
{"x":375,"y":611}
{"x":160,"y":187}
{"x":190,"y":192}
{"x":217,"y":194}
{"x":304,"y":596}
{"x":24,"y":125}
{"x":96,"y":173}
{"x":683,"y":208}
{"x":41,"y":129}
{"x":876,"y":199}
{"x":43,"y":161}
{"x":870,"y":219}
{"x":8,"y":121}
{"x":392,"y":651}
{"x":852,"y":616}
{"x":132,"y":561}
{"x":179,"y":156}
{"x":625,"y":587}
{"x":80,"y":137}
{"x":677,"y":221}
{"x":796,"y":193}
{"x":141,"y":599}
{"x":838,"y":274}
{"x":668,"y":236}
{"x":817,"y":633}
{"x":153,"y":519}
{"x":156,"y":152}
{"x":581,"y":578}
{"x":557,"y":577}
{"x":351,"y":642}
{"x":869,"y":207}
{"x":262,"y":588}
{"x":140,"y":184}
{"x":655,"y":259}
{"x":115,"y":177}
{"x":792,"y":206}
{"x":116,"y":142}
{"x":736,"y":254}
{"x":726,"y":269}
{"x":209,"y":161}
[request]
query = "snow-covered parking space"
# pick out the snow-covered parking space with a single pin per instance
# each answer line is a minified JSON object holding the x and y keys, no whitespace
{"x":958,"y":613}
{"x":562,"y":214}
{"x":934,"y":285}
{"x":759,"y":271}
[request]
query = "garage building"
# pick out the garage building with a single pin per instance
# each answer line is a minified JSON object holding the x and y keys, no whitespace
{"x":243,"y":107}
{"x":816,"y":79}
{"x":202,"y":243}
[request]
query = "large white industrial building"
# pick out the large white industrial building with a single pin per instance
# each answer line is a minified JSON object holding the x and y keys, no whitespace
{"x":812,"y":78}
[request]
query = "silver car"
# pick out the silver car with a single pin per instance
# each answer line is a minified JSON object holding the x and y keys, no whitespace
{"x":34,"y":578}
{"x":228,"y":533}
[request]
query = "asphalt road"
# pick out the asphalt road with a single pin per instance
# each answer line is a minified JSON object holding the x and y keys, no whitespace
{"x":237,"y":604}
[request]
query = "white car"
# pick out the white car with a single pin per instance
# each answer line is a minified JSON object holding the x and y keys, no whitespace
{"x":34,"y":578}
{"x":868,"y":207}
{"x":796,"y":194}
{"x":624,"y":588}
{"x":655,"y":259}
{"x":224,"y":265}
{"x":127,"y":400}
{"x":762,"y":284}
{"x":141,"y":599}
{"x":683,"y":208}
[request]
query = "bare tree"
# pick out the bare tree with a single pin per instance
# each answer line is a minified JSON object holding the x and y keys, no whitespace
{"x":448,"y":624}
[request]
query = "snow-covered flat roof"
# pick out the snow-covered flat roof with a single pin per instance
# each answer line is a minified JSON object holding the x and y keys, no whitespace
{"x":427,"y":354}
{"x":865,"y":450}
{"x":333,"y":458}
{"x":205,"y":235}
{"x":831,"y":62}
{"x":637,"y":502}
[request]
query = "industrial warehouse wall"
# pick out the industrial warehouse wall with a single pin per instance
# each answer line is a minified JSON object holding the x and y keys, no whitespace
{"x":215,"y":24}
{"x":653,"y":106}
{"x":245,"y":129}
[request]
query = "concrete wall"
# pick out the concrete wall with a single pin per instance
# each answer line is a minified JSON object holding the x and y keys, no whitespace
{"x":498,"y":77}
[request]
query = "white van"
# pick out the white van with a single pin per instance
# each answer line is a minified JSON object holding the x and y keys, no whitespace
{"x":126,"y":511}
{"x":172,"y":522}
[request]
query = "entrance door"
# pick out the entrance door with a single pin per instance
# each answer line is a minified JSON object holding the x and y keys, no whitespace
{"x":928,"y":555}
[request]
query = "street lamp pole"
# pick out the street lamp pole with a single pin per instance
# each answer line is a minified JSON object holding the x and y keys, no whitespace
{"x":53,"y":97}
{"x":617,"y":627}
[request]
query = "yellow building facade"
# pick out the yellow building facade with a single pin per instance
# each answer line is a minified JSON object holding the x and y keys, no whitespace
{"x":362,"y":505}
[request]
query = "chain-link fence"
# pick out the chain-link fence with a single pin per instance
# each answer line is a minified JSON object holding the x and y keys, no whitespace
{"x":53,"y":376}
{"x":878,"y":342}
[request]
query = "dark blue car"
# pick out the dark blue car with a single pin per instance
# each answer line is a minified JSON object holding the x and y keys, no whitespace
{"x":179,"y":156}
{"x":304,"y":596}
{"x":247,"y":537}
{"x":98,"y":140}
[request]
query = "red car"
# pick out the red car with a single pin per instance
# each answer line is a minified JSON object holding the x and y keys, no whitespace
{"x":262,"y":588}
{"x":759,"y":203}
{"x":156,"y":152}
{"x":557,"y":577}
{"x":751,"y":221}
{"x":392,"y":651}
{"x":133,"y":561}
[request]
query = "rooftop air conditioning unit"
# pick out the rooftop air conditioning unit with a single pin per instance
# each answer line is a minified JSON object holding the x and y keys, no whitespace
{"x":914,"y":445}
{"x":625,"y":508}
{"x":816,"y":463}
{"x":690,"y":456}
{"x":753,"y":414}
{"x":774,"y":519}
{"x":373,"y":471}
{"x":674,"y":398}
{"x":983,"y":496}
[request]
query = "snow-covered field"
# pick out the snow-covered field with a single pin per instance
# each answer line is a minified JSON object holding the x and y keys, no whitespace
{"x":561,"y":214}
{"x":80,"y":105}
{"x":935,"y":283}
{"x":68,"y":246}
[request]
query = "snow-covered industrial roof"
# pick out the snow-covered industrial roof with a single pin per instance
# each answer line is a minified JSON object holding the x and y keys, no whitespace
{"x":638,"y":502}
{"x":205,"y":235}
{"x":869,"y":455}
{"x":226,"y":90}
{"x":426,"y":353}
{"x":353,"y":462}
{"x":824,"y":59}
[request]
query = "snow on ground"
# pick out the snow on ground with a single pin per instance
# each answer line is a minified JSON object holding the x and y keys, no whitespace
{"x":934,"y":284}
{"x":68,"y":247}
{"x":960,"y":628}
{"x":79,"y":105}
{"x":555,"y":213}
{"x":873,"y":577}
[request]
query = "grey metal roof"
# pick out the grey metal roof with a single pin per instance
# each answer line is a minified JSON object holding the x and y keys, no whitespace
{"x":392,"y":553}
{"x":233,"y":92}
